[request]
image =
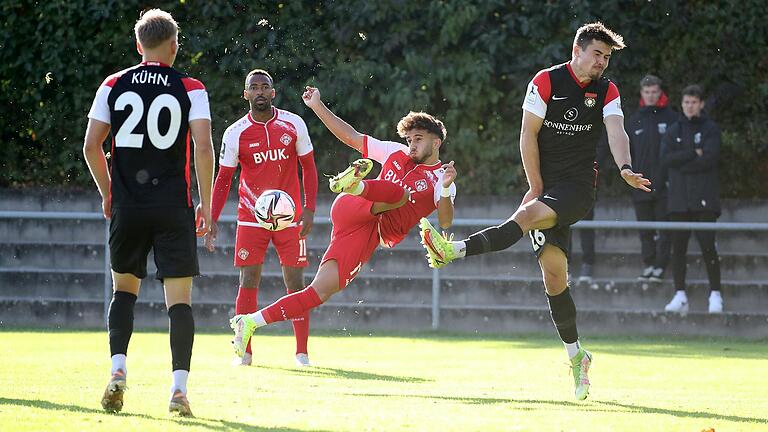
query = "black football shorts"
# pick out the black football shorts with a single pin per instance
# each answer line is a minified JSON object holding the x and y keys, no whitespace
{"x":571,"y":201}
{"x":168,"y":231}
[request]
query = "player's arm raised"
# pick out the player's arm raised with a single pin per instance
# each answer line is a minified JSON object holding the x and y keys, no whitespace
{"x":95,"y":135}
{"x":529,"y":152}
{"x":343,"y":131}
{"x":204,"y":165}
{"x":445,"y":205}
{"x":618,"y":141}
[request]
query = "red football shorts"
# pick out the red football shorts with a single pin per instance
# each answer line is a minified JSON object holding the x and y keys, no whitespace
{"x":251,"y":246}
{"x":354,"y":238}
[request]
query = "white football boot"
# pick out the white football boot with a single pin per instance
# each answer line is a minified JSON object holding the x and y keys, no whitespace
{"x":715,"y":302}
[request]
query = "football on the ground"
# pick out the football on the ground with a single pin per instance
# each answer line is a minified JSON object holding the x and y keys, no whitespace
{"x":274,"y":210}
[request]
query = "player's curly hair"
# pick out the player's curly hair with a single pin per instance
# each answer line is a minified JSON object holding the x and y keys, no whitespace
{"x":154,"y":27}
{"x":599,"y":32}
{"x":421,"y":120}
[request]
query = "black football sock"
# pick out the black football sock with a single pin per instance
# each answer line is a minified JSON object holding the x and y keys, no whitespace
{"x":494,"y":238}
{"x":563,"y":312}
{"x":120,"y":321}
{"x":182,"y":332}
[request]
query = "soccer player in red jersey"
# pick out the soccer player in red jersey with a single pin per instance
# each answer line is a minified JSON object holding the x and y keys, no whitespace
{"x":566,"y":109}
{"x":269,"y":144}
{"x":151,"y":110}
{"x":411,"y":185}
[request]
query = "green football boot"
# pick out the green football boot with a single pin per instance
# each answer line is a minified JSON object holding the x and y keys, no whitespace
{"x":580,"y":364}
{"x":244,"y":326}
{"x":439,"y":250}
{"x":351,"y":176}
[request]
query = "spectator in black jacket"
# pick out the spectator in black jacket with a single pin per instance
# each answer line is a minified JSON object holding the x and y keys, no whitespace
{"x":645,"y":128}
{"x":691,"y":149}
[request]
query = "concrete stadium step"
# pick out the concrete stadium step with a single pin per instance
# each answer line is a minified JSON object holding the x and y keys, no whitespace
{"x":94,"y":232}
{"x":515,"y":262}
{"x":457,"y":291}
{"x":351,"y":318}
{"x":610,"y":208}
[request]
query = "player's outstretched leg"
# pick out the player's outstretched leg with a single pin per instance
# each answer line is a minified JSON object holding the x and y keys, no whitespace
{"x":350,"y":177}
{"x":287,"y":307}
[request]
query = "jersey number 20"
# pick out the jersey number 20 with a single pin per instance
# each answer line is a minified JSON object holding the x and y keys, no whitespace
{"x":125,"y":136}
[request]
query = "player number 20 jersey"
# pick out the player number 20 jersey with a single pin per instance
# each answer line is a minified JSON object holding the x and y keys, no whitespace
{"x":149,"y":107}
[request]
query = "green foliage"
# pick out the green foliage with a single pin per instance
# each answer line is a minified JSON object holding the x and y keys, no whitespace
{"x":467,"y":62}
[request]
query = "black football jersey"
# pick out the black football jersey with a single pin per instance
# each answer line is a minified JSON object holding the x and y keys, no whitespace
{"x":573,"y":114}
{"x":149,"y":107}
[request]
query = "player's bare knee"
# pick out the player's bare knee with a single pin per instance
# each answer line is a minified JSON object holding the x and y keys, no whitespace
{"x":250,"y":277}
{"x":294,"y":278}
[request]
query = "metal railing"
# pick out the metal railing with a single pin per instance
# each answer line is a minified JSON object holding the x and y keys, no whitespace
{"x":459,"y":222}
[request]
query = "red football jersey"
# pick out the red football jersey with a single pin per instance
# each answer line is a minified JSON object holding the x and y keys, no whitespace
{"x":424,"y":182}
{"x":268,"y":157}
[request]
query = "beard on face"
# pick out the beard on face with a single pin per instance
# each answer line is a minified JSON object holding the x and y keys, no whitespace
{"x":261,"y":105}
{"x":420,"y":160}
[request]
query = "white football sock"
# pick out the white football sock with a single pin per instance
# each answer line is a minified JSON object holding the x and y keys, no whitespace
{"x":118,"y":362}
{"x":259,"y":318}
{"x":179,"y":381}
{"x":459,"y":248}
{"x":572,"y":348}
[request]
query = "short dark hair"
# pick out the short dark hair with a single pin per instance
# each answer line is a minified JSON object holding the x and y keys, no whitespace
{"x":694,"y":90}
{"x":599,"y":32}
{"x":154,"y":27}
{"x":259,"y":72}
{"x":421,"y":120}
{"x":650,"y":81}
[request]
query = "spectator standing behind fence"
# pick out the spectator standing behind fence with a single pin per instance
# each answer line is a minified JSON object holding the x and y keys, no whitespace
{"x":645,"y":128}
{"x":691,"y":150}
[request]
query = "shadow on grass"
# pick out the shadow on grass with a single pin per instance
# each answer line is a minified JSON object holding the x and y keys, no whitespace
{"x":592,"y":406}
{"x":212,"y":424}
{"x":323,"y":372}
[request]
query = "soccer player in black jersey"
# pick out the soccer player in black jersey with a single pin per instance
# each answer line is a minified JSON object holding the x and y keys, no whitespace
{"x":151,"y":110}
{"x":565,"y":111}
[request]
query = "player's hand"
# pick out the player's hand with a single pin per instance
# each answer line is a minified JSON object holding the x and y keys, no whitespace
{"x":311,"y":97}
{"x":449,"y":176}
{"x":203,"y":220}
{"x":636,"y":180}
{"x":210,"y":238}
{"x":307,"y":221}
{"x":106,"y":207}
{"x":531,"y":195}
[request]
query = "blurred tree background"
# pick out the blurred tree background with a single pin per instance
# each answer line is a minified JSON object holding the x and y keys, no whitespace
{"x":466,"y":61}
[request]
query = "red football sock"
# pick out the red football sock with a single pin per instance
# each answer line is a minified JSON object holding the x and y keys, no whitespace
{"x":292,"y":305}
{"x":247,"y":302}
{"x":301,"y":331}
{"x":382,"y":191}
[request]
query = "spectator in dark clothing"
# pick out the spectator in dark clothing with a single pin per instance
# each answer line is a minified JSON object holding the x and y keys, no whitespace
{"x":691,"y":150}
{"x":645,"y":128}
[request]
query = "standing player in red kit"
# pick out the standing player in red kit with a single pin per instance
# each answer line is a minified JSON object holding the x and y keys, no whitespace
{"x":268,"y":143}
{"x":412,"y":184}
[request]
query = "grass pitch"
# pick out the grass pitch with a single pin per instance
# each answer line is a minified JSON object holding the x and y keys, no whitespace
{"x":54,"y":381}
